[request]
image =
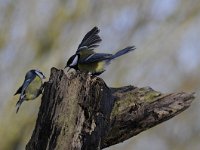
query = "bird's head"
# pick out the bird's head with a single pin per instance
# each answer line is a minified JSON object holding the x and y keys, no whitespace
{"x":39,"y":73}
{"x":73,"y":62}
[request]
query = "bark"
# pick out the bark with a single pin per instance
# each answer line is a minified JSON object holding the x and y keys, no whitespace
{"x":79,"y":112}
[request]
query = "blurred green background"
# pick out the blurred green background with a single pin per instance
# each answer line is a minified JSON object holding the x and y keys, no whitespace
{"x":42,"y":34}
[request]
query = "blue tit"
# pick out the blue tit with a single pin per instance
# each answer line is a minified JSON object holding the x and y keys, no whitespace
{"x":86,"y":60}
{"x":31,"y":88}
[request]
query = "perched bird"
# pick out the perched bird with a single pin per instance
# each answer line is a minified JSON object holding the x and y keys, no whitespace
{"x":86,"y":60}
{"x":31,"y":88}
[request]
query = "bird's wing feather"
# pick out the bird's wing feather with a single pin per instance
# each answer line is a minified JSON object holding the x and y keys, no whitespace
{"x":18,"y":91}
{"x":90,"y":40}
{"x":22,"y":95}
{"x":25,"y":85}
{"x":96,"y":57}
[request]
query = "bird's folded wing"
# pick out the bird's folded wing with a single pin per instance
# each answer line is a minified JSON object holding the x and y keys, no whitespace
{"x":25,"y":85}
{"x":18,"y":91}
{"x":96,"y":57}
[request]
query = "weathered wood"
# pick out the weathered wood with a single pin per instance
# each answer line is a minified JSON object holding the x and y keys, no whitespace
{"x":79,"y":112}
{"x":74,"y":113}
{"x":138,"y":109}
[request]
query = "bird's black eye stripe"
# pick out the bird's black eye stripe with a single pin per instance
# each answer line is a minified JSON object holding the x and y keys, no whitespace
{"x":41,"y":73}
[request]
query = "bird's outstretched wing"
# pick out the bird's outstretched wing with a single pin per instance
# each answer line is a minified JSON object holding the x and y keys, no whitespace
{"x":90,"y":40}
{"x":96,"y":57}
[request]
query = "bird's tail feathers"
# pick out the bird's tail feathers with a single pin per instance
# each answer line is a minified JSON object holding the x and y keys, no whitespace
{"x":123,"y":51}
{"x":18,"y":104}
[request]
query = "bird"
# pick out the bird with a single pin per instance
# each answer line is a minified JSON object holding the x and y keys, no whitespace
{"x":86,"y":60}
{"x":31,"y":88}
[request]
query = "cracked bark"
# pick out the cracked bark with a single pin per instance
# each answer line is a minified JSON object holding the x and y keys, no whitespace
{"x":79,"y":112}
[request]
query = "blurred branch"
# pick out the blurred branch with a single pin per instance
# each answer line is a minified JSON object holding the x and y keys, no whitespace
{"x":80,"y":112}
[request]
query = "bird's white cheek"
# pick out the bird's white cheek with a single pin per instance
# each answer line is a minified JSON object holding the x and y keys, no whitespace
{"x":40,"y":75}
{"x":75,"y":61}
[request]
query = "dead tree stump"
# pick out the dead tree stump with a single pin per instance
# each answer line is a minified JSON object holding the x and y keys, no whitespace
{"x":79,"y":112}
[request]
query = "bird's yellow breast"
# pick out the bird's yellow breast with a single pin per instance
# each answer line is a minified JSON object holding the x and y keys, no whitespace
{"x":94,"y":67}
{"x":33,"y":89}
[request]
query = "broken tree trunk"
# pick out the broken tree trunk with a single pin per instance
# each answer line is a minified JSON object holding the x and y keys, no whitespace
{"x":79,"y":112}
